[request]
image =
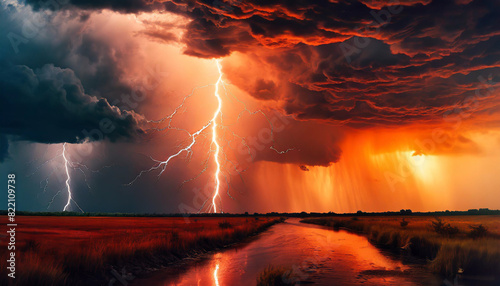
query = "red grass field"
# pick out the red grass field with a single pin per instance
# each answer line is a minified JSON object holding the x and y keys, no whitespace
{"x":82,"y":250}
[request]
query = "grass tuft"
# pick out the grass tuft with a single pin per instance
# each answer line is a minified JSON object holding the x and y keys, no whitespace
{"x":403,"y":223}
{"x":275,"y":276}
{"x":225,"y":224}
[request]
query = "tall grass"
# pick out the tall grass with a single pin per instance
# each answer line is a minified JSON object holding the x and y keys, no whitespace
{"x":446,"y":247}
{"x":473,"y":256}
{"x":31,"y":269}
{"x":275,"y":276}
{"x":91,"y":261}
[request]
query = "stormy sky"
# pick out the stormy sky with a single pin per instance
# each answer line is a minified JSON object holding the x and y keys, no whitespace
{"x":359,"y":101}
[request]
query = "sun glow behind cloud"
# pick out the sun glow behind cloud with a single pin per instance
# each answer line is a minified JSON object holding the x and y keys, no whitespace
{"x":370,"y":179}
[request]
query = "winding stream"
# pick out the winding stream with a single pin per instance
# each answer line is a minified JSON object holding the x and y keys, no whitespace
{"x":316,"y":254}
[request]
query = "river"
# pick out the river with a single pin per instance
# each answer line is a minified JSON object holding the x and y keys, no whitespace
{"x":316,"y":254}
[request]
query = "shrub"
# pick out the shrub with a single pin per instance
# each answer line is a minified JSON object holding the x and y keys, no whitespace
{"x":477,"y":231}
{"x":403,"y":223}
{"x":444,"y":228}
{"x":31,"y":245}
{"x":438,"y":225}
{"x":174,"y":236}
{"x":225,"y":224}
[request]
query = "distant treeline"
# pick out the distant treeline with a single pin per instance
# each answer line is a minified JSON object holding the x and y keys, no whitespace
{"x":483,"y":211}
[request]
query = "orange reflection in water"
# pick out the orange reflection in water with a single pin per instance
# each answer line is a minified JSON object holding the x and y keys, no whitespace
{"x":216,"y":279}
{"x":315,"y":254}
{"x":309,"y":251}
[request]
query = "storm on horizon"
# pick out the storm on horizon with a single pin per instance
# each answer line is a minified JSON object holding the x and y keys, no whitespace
{"x":251,"y":106}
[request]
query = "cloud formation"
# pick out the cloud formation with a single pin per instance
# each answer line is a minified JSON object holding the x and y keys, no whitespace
{"x":60,"y":80}
{"x":49,"y":105}
{"x":329,"y":64}
{"x":361,"y":63}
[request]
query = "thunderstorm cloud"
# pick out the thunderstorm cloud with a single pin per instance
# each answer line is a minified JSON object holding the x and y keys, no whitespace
{"x":49,"y":105}
{"x":43,"y":99}
{"x":361,"y":63}
{"x":355,"y":85}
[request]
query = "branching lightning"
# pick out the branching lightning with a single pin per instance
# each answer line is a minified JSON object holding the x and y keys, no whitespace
{"x":68,"y":164}
{"x":214,"y":136}
{"x":68,"y":187}
{"x":68,"y":179}
{"x":215,"y":147}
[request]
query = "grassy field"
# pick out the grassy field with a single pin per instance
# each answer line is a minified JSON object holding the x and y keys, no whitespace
{"x":85,"y":250}
{"x":456,"y":244}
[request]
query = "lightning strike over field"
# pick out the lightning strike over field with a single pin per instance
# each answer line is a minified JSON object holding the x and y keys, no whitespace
{"x":68,"y":178}
{"x":214,"y":136}
{"x":67,"y":164}
{"x":161,"y":165}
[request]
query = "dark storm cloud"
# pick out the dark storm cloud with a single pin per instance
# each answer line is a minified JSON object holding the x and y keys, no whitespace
{"x":65,"y":40}
{"x":49,"y":105}
{"x":358,"y":63}
{"x":60,"y":82}
{"x":361,"y":63}
{"x":264,"y":89}
{"x":297,"y":142}
{"x":126,"y":6}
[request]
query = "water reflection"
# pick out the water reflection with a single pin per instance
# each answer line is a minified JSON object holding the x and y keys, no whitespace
{"x":314,"y":254}
{"x":216,"y":279}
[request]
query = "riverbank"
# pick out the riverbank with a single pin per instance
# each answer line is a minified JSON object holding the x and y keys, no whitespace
{"x":93,"y":251}
{"x":307,"y":254}
{"x":451,"y":247}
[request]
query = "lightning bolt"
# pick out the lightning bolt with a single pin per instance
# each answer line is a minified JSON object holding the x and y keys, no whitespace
{"x":68,"y":164}
{"x":214,"y":143}
{"x":214,"y":136}
{"x":68,"y":187}
{"x":162,"y":165}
